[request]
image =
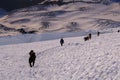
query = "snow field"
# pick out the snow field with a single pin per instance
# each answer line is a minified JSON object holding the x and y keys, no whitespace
{"x":56,"y":18}
{"x":96,"y":59}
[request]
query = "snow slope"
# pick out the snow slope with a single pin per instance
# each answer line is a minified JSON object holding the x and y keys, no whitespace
{"x":28,"y":38}
{"x":72,"y":17}
{"x":96,"y":59}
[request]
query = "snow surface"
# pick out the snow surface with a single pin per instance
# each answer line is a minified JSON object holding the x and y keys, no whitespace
{"x":28,"y":38}
{"x":72,"y":17}
{"x":96,"y":59}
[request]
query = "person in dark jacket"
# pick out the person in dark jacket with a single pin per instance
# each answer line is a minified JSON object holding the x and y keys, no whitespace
{"x":61,"y":41}
{"x":32,"y":58}
{"x":90,"y":35}
{"x":98,"y":33}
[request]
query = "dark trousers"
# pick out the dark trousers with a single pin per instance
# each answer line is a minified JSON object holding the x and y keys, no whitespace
{"x":31,"y":61}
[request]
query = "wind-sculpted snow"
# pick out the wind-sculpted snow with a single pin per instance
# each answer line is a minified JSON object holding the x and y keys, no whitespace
{"x":54,"y":18}
{"x":96,"y":59}
{"x":104,"y":23}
